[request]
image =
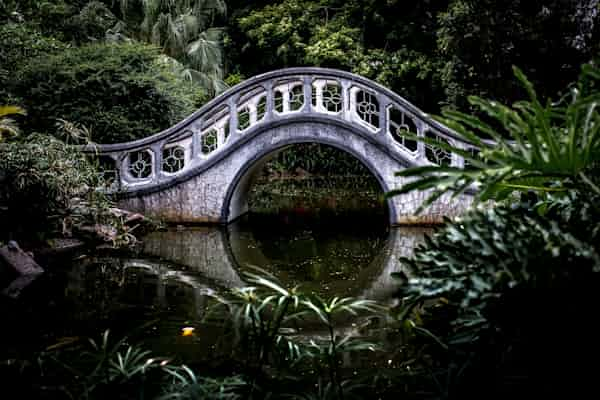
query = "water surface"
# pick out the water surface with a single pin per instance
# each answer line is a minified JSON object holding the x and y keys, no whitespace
{"x":170,"y":282}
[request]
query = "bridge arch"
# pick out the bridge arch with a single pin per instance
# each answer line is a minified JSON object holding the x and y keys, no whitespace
{"x":196,"y":170}
{"x":236,"y":198}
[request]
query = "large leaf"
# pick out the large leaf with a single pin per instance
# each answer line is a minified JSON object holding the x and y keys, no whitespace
{"x":544,"y":148}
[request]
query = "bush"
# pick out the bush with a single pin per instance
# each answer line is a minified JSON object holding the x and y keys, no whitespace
{"x":412,"y":74}
{"x":92,"y":22}
{"x":51,"y":17}
{"x":47,"y":187}
{"x":518,"y":291}
{"x":475,"y":261}
{"x":19,"y":44}
{"x":119,"y":91}
{"x":41,"y":175}
{"x":517,"y":284}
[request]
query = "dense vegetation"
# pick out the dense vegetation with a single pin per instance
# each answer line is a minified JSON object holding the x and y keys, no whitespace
{"x":435,"y":53}
{"x":128,"y":92}
{"x":432,"y":52}
{"x":492,"y":295}
{"x":507,"y":275}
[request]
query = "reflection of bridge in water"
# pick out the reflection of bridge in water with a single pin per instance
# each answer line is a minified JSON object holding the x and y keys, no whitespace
{"x":197,"y":263}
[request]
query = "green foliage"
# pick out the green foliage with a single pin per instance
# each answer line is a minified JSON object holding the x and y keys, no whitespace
{"x":479,"y":41}
{"x":186,"y":384}
{"x":47,"y":187}
{"x":476,"y":260}
{"x":331,"y":350}
{"x":505,"y":277}
{"x":119,"y":91}
{"x":41,"y":175}
{"x":265,"y":318}
{"x":552,"y":147}
{"x":21,"y":43}
{"x":105,"y":368}
{"x":334,"y":46}
{"x":460,"y":47}
{"x":233,"y":79}
{"x":259,"y":314}
{"x":185,"y":31}
{"x":412,"y":74}
{"x":93,"y":22}
{"x":8,"y":127}
{"x":280,"y":31}
{"x":111,"y":366}
{"x":510,"y":286}
{"x":330,"y":34}
{"x":51,"y":17}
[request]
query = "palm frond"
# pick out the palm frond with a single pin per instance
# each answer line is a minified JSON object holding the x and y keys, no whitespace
{"x":205,"y":52}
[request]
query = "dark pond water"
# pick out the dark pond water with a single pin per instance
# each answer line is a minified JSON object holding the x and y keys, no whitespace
{"x":168,"y":284}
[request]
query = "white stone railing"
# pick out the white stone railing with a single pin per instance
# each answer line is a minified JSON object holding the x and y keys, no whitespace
{"x":280,"y":96}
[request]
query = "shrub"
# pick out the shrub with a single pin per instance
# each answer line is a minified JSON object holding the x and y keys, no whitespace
{"x":518,"y":281}
{"x":553,"y":146}
{"x":20,"y":43}
{"x":41,"y":175}
{"x":476,"y":260}
{"x":51,"y":17}
{"x":119,"y":91}
{"x":106,"y":368}
{"x":518,"y":290}
{"x":92,"y":22}
{"x":264,"y":317}
{"x":47,"y":187}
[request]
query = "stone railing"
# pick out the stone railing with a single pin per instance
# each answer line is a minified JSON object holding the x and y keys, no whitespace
{"x":276,"y":97}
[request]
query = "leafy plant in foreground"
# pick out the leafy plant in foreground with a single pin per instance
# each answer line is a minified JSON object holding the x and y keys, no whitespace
{"x":264,"y":317}
{"x":509,"y":286}
{"x":330,"y":352}
{"x":474,"y":261}
{"x":515,"y":283}
{"x":185,"y":384}
{"x":550,"y":146}
{"x":260,"y":314}
{"x":128,"y":371}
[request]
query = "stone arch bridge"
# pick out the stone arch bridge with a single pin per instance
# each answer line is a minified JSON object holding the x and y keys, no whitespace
{"x":200,"y":170}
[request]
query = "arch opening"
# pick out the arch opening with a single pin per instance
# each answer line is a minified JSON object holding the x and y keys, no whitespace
{"x":309,"y":179}
{"x":309,"y":220}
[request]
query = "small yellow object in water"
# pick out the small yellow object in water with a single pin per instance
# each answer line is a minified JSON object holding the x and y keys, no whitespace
{"x":187,"y":331}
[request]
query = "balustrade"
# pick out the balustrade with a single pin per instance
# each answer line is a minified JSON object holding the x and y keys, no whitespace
{"x":282,"y":94}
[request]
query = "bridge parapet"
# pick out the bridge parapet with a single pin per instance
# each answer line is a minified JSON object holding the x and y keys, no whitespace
{"x":275,"y":98}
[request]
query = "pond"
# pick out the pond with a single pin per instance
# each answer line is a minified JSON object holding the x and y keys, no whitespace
{"x":335,"y":244}
{"x":167,"y":286}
